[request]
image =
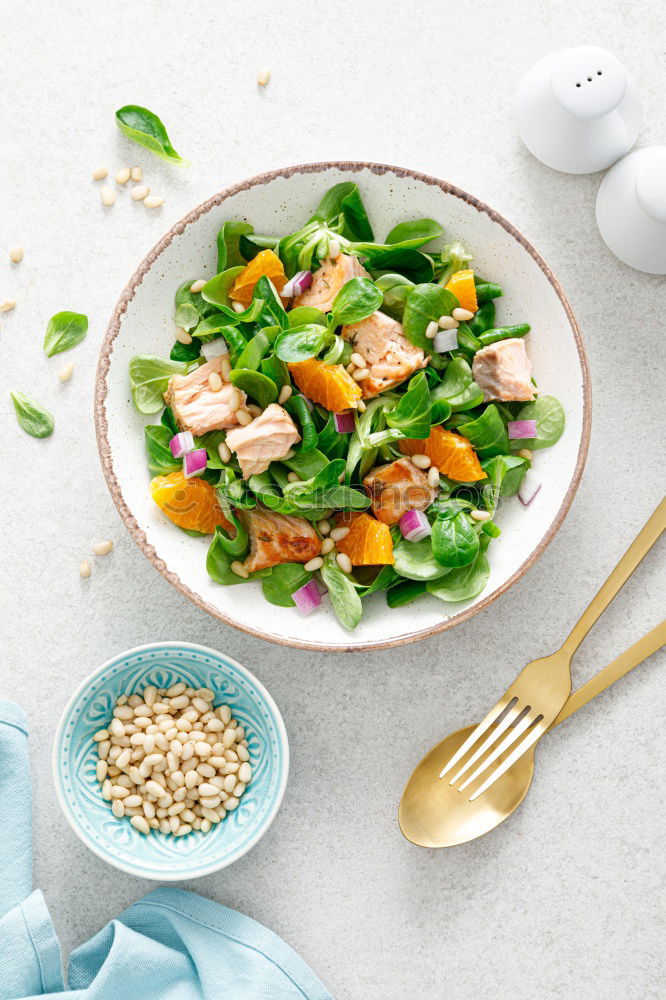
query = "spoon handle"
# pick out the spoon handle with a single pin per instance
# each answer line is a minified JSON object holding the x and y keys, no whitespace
{"x":625,"y":662}
{"x":638,"y":549}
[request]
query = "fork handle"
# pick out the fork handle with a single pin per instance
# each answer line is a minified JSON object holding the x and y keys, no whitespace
{"x":625,"y":662}
{"x":638,"y":549}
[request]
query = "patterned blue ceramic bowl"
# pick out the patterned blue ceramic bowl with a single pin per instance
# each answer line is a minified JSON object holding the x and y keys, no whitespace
{"x":160,"y":857}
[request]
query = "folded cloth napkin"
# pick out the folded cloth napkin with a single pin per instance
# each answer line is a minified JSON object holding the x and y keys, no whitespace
{"x":171,"y":945}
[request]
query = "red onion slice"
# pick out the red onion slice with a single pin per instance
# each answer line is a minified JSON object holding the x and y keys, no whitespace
{"x":297,"y":284}
{"x":307,"y":598}
{"x":414,"y":525}
{"x":344,"y":422}
{"x":181,"y":443}
{"x":445,"y":340}
{"x":194,"y":462}
{"x":529,"y":488}
{"x":522,"y":429}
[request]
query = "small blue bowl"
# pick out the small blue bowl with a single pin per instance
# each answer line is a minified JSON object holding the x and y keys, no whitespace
{"x":158,"y":856}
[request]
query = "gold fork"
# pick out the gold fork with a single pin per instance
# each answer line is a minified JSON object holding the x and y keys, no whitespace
{"x":539,"y":692}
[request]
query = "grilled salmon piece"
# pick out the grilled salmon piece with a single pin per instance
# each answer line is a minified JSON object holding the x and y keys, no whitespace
{"x":328,"y":280}
{"x":267,"y":439}
{"x":390,"y":357}
{"x":503,"y":370}
{"x":397,"y":488}
{"x":196,"y":407}
{"x":277,"y":538}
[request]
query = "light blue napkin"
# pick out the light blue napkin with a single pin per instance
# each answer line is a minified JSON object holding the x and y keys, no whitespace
{"x":171,"y":945}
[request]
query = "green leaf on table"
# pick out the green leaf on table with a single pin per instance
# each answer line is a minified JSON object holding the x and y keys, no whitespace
{"x":64,"y":331}
{"x":32,"y":418}
{"x":145,"y":128}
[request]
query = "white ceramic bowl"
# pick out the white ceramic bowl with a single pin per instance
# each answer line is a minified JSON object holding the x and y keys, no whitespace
{"x":279,"y":202}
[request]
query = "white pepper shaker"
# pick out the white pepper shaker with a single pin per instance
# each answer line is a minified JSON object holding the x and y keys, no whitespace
{"x":631,"y":209}
{"x":578,"y":110}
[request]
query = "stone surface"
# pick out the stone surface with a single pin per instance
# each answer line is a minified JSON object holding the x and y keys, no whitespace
{"x":563,"y":901}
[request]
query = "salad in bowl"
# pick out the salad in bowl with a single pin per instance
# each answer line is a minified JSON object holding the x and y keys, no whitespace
{"x":343,"y":415}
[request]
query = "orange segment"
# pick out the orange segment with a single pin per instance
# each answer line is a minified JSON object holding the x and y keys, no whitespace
{"x":189,"y":503}
{"x":462,"y":285}
{"x":368,"y":543}
{"x":265,"y":263}
{"x":330,"y":385}
{"x":452,"y":453}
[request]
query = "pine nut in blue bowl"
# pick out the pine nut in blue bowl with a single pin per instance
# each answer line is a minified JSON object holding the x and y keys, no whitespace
{"x":170,"y":761}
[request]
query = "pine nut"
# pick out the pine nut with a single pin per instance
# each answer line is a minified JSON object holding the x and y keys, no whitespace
{"x":101,"y":734}
{"x":101,"y":770}
{"x":253,"y":409}
{"x":103,"y":749}
{"x":224,"y":452}
{"x":117,"y":808}
{"x":224,"y":714}
{"x":7,"y":305}
{"x":153,"y":201}
{"x":234,"y":400}
{"x":243,"y":753}
{"x":431,"y":330}
{"x":245,"y":773}
{"x":480,"y":515}
{"x":99,"y":173}
{"x":238,"y":307}
{"x":243,"y":417}
{"x":197,"y":285}
{"x":123,"y":175}
{"x":66,"y":373}
{"x":314,"y":564}
{"x":139,"y":192}
{"x":16,"y":254}
{"x":214,"y":381}
{"x":239,"y":569}
{"x":176,"y":689}
{"x":285,"y":393}
{"x":140,"y":823}
{"x":526,"y":453}
{"x":108,"y":195}
{"x":447,"y":323}
{"x":462,"y":315}
{"x":182,"y":336}
{"x":360,"y":374}
{"x":433,"y":477}
{"x":102,"y":548}
{"x":337,"y":534}
{"x":293,"y":477}
{"x":119,"y":792}
{"x":344,"y":562}
{"x":231,"y":803}
{"x":263,"y":76}
{"x":323,"y":526}
{"x":327,"y":546}
{"x":421,"y":461}
{"x":358,"y":360}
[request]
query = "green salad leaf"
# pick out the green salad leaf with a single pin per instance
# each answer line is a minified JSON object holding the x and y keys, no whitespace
{"x":455,"y":543}
{"x":64,"y":331}
{"x":149,"y":377}
{"x":145,"y":128}
{"x":487,"y":433}
{"x":462,"y":584}
{"x":355,"y":301}
{"x":344,"y":595}
{"x":284,"y":580}
{"x":425,"y":304}
{"x":160,"y":459}
{"x":32,"y":417}
{"x":228,"y":244}
{"x":549,"y":415}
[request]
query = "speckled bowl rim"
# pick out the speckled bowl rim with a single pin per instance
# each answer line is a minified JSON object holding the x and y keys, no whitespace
{"x":59,"y":737}
{"x":101,"y":391}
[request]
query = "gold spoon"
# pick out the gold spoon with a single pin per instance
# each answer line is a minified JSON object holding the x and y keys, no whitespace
{"x":433,"y":814}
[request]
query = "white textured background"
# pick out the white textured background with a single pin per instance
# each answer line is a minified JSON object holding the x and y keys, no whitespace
{"x":564,"y":900}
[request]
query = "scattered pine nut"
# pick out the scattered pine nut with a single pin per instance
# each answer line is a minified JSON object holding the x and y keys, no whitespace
{"x":239,"y":569}
{"x":108,"y":196}
{"x":224,"y":451}
{"x":253,"y":409}
{"x":324,"y":527}
{"x":462,"y":315}
{"x":99,"y":173}
{"x":433,"y":477}
{"x":66,"y":373}
{"x":314,"y":564}
{"x":447,"y":323}
{"x":139,"y":192}
{"x":153,"y":201}
{"x":421,"y":461}
{"x":136,"y":173}
{"x":293,"y":477}
{"x":285,"y":393}
{"x":234,"y":400}
{"x":327,"y":546}
{"x":344,"y":562}
{"x":123,"y":175}
{"x":238,"y":307}
{"x":84,"y":569}
{"x":7,"y":305}
{"x":102,"y":548}
{"x":182,"y":336}
{"x":243,"y":417}
{"x":431,"y":330}
{"x":263,"y":76}
{"x":360,"y":374}
{"x":526,"y":453}
{"x":214,"y":381}
{"x":358,"y":360}
{"x":480,"y":515}
{"x":225,"y":370}
{"x":196,"y":286}
{"x":337,"y":534}
{"x":16,"y":254}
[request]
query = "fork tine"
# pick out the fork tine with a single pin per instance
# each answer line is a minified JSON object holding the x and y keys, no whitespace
{"x":522,"y":748}
{"x":511,"y":737}
{"x":501,"y":727}
{"x":479,"y":731}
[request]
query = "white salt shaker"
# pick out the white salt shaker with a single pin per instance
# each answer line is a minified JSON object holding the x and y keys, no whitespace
{"x":631,"y":209}
{"x":578,"y":110}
